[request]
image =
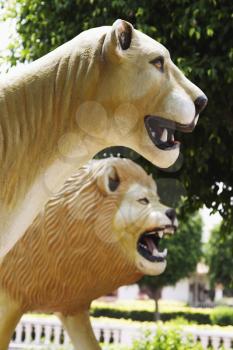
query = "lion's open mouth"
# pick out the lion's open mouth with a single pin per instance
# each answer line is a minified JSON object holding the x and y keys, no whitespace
{"x":161,"y":131}
{"x":148,"y":243}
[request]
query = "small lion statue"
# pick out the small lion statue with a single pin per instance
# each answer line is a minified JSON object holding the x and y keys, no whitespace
{"x":99,"y":232}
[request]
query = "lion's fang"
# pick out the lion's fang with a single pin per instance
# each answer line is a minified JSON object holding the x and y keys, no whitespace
{"x":162,"y":254}
{"x":164,"y":135}
{"x":160,"y":233}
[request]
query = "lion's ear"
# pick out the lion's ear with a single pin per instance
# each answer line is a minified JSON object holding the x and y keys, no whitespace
{"x":118,"y":39}
{"x":109,"y":181}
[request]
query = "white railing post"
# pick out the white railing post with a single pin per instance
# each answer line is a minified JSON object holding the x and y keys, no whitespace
{"x":215,"y":341}
{"x":18,"y":331}
{"x":38,"y":329}
{"x":204,"y":341}
{"x":48,"y":333}
{"x":28,"y":331}
{"x":227,"y":342}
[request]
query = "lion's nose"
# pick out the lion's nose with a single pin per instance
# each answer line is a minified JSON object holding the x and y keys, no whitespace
{"x":171,"y":214}
{"x":200,"y":103}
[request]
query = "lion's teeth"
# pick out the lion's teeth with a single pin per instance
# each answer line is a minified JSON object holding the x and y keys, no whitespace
{"x":162,"y":254}
{"x":169,"y":231}
{"x":165,"y":252}
{"x":164,"y":135}
{"x":155,"y":252}
{"x":160,"y":233}
{"x":151,"y":233}
{"x":153,"y":133}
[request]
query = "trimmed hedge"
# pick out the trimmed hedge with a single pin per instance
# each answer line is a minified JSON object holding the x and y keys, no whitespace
{"x":222,"y":316}
{"x":145,"y":315}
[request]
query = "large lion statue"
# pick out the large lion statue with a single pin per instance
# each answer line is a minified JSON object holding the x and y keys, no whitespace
{"x":108,"y":86}
{"x":99,"y":232}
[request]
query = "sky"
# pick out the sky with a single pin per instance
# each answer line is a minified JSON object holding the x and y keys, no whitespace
{"x":209,"y":221}
{"x":6,"y":29}
{"x":4,"y":34}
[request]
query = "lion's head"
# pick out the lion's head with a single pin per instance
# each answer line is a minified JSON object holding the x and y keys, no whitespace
{"x":149,"y":96}
{"x":138,"y":220}
{"x":101,"y":231}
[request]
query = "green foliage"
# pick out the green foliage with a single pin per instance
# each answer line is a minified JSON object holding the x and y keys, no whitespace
{"x":197,"y":316}
{"x":219,"y":254}
{"x":180,"y":321}
{"x":184,"y":252}
{"x":166,"y":340}
{"x":222,"y":316}
{"x":199,"y":37}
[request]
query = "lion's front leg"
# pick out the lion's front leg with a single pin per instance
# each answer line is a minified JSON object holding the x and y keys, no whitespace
{"x":10,"y":314}
{"x":80,"y":331}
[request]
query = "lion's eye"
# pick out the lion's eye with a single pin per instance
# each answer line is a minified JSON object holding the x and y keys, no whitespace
{"x":144,"y":200}
{"x":158,"y":62}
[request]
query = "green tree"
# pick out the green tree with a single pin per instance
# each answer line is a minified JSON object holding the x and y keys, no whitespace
{"x":199,"y":37}
{"x":184,"y":252}
{"x":219,"y":252}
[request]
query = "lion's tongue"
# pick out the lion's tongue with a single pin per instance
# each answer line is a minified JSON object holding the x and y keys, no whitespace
{"x":150,"y":244}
